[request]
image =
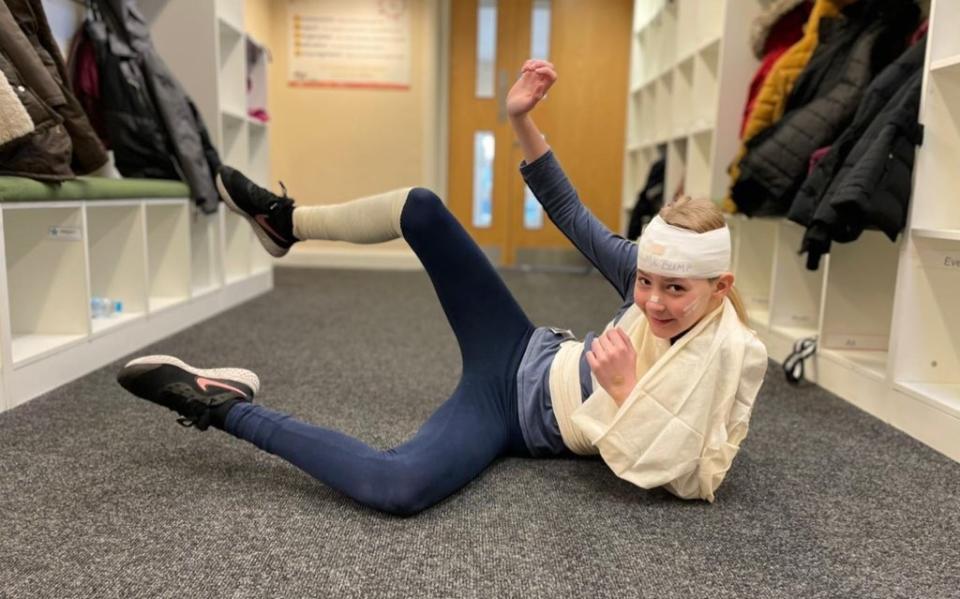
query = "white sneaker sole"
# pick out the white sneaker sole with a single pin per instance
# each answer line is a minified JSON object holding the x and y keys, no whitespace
{"x":239,"y":375}
{"x":265,"y":240}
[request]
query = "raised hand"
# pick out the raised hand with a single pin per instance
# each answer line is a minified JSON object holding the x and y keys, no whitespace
{"x":536,"y":77}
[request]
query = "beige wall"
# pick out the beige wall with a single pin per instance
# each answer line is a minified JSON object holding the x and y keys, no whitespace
{"x":333,"y":145}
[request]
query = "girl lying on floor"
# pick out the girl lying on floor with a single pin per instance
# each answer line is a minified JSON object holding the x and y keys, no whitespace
{"x":663,"y":395}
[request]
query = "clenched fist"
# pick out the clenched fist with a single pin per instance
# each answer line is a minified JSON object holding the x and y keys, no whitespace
{"x":614,"y":362}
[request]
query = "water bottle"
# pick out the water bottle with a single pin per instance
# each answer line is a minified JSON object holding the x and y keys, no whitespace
{"x":104,"y":307}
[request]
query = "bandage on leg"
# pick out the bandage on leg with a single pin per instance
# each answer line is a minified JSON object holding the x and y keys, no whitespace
{"x":371,"y":219}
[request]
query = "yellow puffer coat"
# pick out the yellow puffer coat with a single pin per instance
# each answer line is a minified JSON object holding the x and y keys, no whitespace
{"x":779,"y":83}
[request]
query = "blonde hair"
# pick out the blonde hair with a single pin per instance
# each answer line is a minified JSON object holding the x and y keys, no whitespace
{"x":700,"y":216}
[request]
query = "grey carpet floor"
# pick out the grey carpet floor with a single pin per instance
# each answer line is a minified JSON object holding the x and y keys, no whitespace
{"x":103,"y":495}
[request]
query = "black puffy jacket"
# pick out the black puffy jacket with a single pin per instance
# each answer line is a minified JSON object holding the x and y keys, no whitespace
{"x":867,"y":38}
{"x":875,"y":99}
{"x":871,"y":188}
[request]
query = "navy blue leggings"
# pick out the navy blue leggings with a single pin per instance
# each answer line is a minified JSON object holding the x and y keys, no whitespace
{"x":478,"y":424}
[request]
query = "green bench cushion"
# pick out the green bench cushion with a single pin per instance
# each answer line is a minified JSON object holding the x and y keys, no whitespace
{"x":22,"y":189}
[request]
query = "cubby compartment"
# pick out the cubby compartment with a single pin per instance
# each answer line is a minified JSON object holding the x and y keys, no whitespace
{"x":667,"y":24}
{"x":704,"y":105}
{"x":235,"y":146}
{"x":648,"y":114}
{"x":649,"y":51}
{"x":927,"y":353}
{"x":118,"y":262}
{"x":259,"y":148}
{"x":756,"y":244}
{"x":46,"y":279}
{"x":933,"y":206}
{"x":858,"y":303}
{"x":687,"y":17}
{"x":237,"y":246}
{"x":205,"y":273}
{"x":232,"y":58}
{"x":168,"y":253}
{"x":709,"y":22}
{"x":638,"y":63}
{"x":256,"y":56}
{"x":681,"y":111}
{"x":231,"y":12}
{"x":664,"y":109}
{"x":645,"y":12}
{"x":698,"y":165}
{"x":676,"y":169}
{"x":944,"y":42}
{"x":795,"y":293}
{"x":634,"y":107}
{"x":638,"y":166}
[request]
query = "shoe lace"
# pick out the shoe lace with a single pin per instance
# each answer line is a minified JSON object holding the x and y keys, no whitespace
{"x":285,"y":199}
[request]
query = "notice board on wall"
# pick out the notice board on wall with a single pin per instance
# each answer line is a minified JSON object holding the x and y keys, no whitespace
{"x":349,"y":43}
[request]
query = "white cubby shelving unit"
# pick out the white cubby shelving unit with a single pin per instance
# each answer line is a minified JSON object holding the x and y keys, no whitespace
{"x":169,"y":264}
{"x":56,"y":256}
{"x":883,"y":313}
{"x":690,"y":68}
{"x":226,"y":77}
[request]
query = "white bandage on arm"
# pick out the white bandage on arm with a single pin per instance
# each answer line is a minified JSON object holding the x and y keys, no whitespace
{"x":371,"y":219}
{"x":671,"y":251}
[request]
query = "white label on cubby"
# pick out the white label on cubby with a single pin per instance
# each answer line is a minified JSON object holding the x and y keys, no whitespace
{"x":937,"y":257}
{"x":64,"y":233}
{"x":951,"y":261}
{"x":846,"y":341}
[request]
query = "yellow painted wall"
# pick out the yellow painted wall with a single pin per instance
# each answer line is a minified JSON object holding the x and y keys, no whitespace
{"x":333,"y":145}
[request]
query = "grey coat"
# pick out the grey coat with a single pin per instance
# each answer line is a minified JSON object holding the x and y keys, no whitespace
{"x":195,"y":157}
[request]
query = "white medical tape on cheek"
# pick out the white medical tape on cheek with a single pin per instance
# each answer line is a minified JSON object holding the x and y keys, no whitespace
{"x":692,"y":306}
{"x":675,"y":252}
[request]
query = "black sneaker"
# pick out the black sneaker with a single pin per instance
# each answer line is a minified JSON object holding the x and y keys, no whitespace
{"x":191,"y":392}
{"x":270,"y":216}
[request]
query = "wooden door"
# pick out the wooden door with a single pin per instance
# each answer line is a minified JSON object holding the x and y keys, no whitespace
{"x":583,"y":117}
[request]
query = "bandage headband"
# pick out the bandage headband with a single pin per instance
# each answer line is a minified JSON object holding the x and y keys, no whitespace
{"x":671,"y":251}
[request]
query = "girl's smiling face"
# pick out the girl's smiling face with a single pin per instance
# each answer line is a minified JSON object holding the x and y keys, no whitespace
{"x":672,"y":305}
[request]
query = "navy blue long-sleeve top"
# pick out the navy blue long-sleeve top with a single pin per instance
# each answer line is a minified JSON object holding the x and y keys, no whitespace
{"x":611,"y":254}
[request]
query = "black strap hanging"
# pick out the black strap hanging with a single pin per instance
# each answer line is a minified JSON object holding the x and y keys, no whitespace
{"x":793,"y":364}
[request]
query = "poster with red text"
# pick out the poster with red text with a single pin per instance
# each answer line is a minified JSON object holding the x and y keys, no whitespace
{"x":349,"y":43}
